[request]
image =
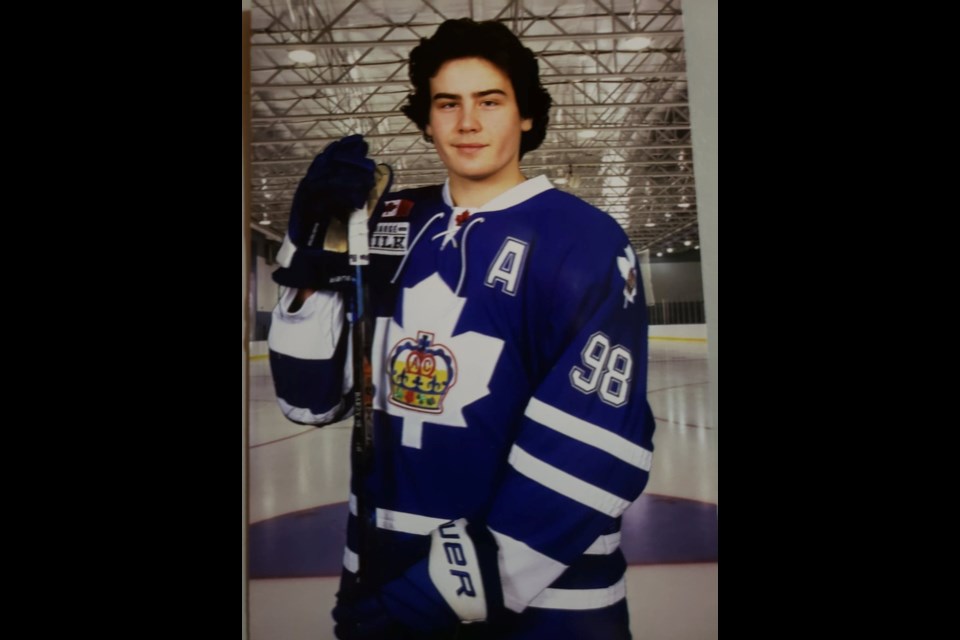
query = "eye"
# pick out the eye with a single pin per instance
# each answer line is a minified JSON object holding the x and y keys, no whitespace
{"x":489,"y":103}
{"x":446,"y":106}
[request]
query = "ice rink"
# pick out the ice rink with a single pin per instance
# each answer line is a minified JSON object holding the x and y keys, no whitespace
{"x":298,"y":478}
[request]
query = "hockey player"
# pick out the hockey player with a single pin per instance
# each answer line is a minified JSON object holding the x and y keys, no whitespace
{"x":509,"y":357}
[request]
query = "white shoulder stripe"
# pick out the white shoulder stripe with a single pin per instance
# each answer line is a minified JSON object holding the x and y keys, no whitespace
{"x":566,"y":484}
{"x":407,"y":522}
{"x":353,"y":503}
{"x":588,"y":433}
{"x":581,"y":599}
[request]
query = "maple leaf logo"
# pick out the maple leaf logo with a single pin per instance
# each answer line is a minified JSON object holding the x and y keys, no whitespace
{"x":628,"y":271}
{"x":422,"y":371}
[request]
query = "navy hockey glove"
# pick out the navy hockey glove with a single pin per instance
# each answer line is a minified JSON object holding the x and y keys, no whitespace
{"x":365,"y":620}
{"x":340,"y":179}
{"x":337,"y":182}
{"x":408,"y":607}
{"x":458,"y":581}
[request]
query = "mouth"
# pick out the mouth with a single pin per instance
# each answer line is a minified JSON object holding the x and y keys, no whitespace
{"x":469,"y":148}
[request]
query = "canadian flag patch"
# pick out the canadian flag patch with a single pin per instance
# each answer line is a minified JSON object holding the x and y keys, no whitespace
{"x":397,"y":208}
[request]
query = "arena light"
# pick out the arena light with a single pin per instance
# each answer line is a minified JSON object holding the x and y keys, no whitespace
{"x":302,"y":56}
{"x":637,"y":43}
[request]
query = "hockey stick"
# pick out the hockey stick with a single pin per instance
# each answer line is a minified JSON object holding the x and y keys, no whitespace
{"x":361,"y":442}
{"x":361,"y":455}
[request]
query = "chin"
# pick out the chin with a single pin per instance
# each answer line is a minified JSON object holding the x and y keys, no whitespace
{"x":475,"y":175}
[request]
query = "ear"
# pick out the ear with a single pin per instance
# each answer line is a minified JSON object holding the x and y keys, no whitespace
{"x":526,"y":124}
{"x":428,"y":130}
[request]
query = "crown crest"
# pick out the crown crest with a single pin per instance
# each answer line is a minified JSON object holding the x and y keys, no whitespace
{"x":421,"y":373}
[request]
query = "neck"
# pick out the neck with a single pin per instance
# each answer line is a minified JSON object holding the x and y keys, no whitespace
{"x":476,"y":193}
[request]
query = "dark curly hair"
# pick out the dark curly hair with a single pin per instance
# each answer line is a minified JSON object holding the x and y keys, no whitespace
{"x":491,"y":41}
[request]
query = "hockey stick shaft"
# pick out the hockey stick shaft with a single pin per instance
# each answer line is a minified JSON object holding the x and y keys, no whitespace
{"x":362,"y":435}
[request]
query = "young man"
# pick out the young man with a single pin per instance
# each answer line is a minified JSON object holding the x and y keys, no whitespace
{"x":509,"y":357}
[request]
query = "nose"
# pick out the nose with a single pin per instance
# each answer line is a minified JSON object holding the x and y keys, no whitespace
{"x":468,"y":119}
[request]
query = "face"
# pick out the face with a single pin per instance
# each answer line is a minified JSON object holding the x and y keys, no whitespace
{"x":475,"y":122}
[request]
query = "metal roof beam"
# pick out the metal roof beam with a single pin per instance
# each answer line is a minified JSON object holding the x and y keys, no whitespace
{"x":569,"y":37}
{"x":547,"y":79}
{"x":287,"y":32}
{"x":397,"y":113}
{"x":541,"y":150}
{"x":418,"y":134}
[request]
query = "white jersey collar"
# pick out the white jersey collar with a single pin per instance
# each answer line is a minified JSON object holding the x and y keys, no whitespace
{"x":509,"y":198}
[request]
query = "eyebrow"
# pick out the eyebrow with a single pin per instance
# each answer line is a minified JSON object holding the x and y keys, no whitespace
{"x":478,"y":94}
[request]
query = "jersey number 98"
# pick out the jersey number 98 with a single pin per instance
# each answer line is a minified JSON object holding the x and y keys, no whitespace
{"x":605,"y":370}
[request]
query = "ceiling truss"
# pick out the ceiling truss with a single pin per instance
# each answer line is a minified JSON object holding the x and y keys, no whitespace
{"x":619,"y":134}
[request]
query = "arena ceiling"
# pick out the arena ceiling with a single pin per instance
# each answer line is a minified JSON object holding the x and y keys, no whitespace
{"x":619,"y":134}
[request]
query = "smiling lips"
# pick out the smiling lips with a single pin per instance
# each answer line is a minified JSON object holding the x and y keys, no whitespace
{"x":469,"y":148}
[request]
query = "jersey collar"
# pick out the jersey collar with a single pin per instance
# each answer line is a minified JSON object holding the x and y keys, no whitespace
{"x":509,"y":198}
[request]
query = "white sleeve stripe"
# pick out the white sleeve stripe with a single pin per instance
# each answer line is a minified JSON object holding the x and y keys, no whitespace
{"x":353,"y":504}
{"x":566,"y":484}
{"x":287,"y":249}
{"x":581,"y":599}
{"x":588,"y":433}
{"x":407,"y":522}
{"x":524,"y":571}
{"x":313,"y":331}
{"x":351,"y":561}
{"x":604,"y":545}
{"x":305,"y":416}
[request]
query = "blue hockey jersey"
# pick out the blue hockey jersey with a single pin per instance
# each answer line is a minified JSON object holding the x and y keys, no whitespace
{"x":509,"y":368}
